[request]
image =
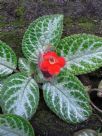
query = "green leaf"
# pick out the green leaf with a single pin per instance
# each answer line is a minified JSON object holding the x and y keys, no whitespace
{"x":83,"y":53}
{"x":67,"y":98}
{"x":44,"y":31}
{"x":8,"y":60}
{"x":1,"y":84}
{"x":2,"y":80}
{"x":38,"y":76}
{"x":26,"y":66}
{"x":12,"y":125}
{"x":31,"y":69}
{"x":20,"y":95}
{"x":86,"y":132}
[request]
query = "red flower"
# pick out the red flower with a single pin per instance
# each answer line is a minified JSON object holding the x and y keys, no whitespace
{"x":51,"y":63}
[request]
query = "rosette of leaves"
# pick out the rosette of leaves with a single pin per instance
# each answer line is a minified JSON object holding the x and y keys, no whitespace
{"x":64,"y":94}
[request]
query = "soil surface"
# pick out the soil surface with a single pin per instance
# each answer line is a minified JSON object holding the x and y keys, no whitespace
{"x":80,"y":16}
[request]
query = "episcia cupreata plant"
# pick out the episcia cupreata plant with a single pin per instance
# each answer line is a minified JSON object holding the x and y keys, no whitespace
{"x":52,"y":62}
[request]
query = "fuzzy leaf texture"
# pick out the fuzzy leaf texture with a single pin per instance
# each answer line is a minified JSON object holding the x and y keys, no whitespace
{"x":67,"y":98}
{"x":26,"y":66}
{"x":44,"y":31}
{"x":20,"y":95}
{"x":30,"y":68}
{"x":83,"y":53}
{"x":8,"y":60}
{"x":1,"y":85}
{"x":12,"y":125}
{"x":86,"y":132}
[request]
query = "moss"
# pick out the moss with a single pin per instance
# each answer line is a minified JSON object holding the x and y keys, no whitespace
{"x":3,"y":24}
{"x":1,"y":21}
{"x":9,"y":36}
{"x":68,"y":21}
{"x":17,"y":22}
{"x":85,"y":19}
{"x":20,"y":11}
{"x":86,"y":23}
{"x":1,"y":17}
{"x":13,"y":39}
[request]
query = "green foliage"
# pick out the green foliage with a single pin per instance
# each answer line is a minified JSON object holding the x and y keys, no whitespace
{"x":26,"y":66}
{"x":67,"y":98}
{"x":12,"y":125}
{"x":20,"y":95}
{"x":8,"y":60}
{"x":44,"y":31}
{"x":83,"y":53}
{"x":64,"y":94}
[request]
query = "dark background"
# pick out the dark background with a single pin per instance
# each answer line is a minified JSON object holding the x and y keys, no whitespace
{"x":80,"y":16}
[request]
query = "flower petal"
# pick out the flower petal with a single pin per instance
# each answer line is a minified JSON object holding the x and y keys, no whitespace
{"x":54,"y":69}
{"x":61,"y":61}
{"x":44,"y":65}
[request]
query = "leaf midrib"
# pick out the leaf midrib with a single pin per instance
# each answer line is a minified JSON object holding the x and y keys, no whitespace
{"x":23,"y":90}
{"x":83,"y":55}
{"x":60,"y":90}
{"x":7,"y":66}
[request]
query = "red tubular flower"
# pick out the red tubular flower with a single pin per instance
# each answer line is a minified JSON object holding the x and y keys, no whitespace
{"x":51,"y":63}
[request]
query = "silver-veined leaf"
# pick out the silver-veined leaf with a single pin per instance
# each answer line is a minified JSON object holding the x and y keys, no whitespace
{"x":1,"y":85}
{"x":30,"y":68}
{"x":67,"y":98}
{"x":44,"y":31}
{"x":86,"y":132}
{"x":26,"y":66}
{"x":38,"y":75}
{"x":12,"y":125}
{"x":8,"y":60}
{"x":20,"y":95}
{"x":83,"y":53}
{"x":2,"y":80}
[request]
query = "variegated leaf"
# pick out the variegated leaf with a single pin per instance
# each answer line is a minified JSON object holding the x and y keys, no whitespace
{"x":12,"y":125}
{"x":30,"y":68}
{"x":8,"y":60}
{"x":42,"y":32}
{"x":83,"y":52}
{"x":26,"y":66}
{"x":38,"y":75}
{"x":86,"y":132}
{"x":67,"y":98}
{"x":20,"y":95}
{"x":1,"y":85}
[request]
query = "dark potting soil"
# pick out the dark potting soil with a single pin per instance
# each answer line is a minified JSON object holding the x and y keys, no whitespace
{"x":96,"y":100}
